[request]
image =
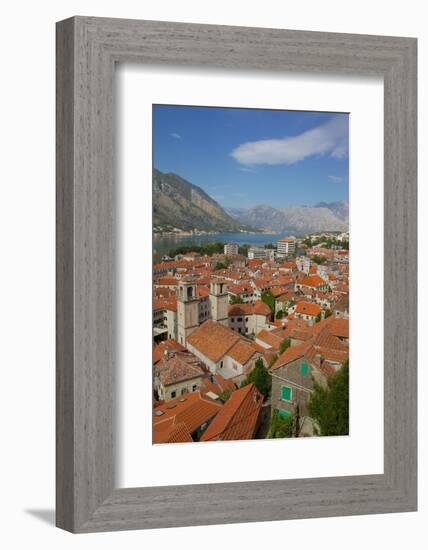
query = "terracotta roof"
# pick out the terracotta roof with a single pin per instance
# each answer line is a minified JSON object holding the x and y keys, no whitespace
{"x":291,"y":354}
{"x":158,"y":303}
{"x":192,"y":409}
{"x":240,"y":309}
{"x":238,"y":417}
{"x":270,"y":338}
{"x":339,"y":327}
{"x":323,"y":344}
{"x":326,"y":339}
{"x":171,"y":305}
{"x":314,"y":281}
{"x":241,"y":352}
{"x":307,"y":308}
{"x":171,"y":433}
{"x":257,"y":308}
{"x":202,"y":291}
{"x":179,"y":366}
{"x":260,"y":308}
{"x":213,"y":340}
{"x":342,"y":304}
{"x":291,"y":264}
{"x":159,"y":349}
{"x":168,"y":281}
{"x":217,"y":384}
{"x":240,"y":289}
{"x":255,"y":263}
{"x":164,"y":292}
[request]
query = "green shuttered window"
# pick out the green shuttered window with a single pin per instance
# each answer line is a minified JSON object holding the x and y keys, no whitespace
{"x":285,"y":393}
{"x":304,"y":369}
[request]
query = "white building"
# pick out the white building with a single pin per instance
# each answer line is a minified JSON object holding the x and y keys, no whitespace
{"x":231,"y":249}
{"x":259,"y":253}
{"x":223,"y":351}
{"x":303,"y":263}
{"x":286,"y":247}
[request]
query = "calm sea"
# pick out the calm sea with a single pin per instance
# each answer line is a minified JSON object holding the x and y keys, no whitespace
{"x":165,"y":243}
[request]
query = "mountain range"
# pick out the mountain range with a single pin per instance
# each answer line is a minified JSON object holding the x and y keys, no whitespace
{"x":179,"y":204}
{"x":298,"y":219}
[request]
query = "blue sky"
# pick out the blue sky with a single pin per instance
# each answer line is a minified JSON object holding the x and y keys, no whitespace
{"x":245,"y":157}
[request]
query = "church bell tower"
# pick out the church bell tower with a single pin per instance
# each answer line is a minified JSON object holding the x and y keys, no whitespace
{"x":187,"y":310}
{"x":219,"y":301}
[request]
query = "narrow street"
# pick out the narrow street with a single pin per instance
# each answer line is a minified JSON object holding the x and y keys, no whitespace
{"x":264,"y":425}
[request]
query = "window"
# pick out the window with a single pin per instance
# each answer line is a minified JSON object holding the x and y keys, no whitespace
{"x":283,"y":414}
{"x":239,"y":319}
{"x":285,"y":393}
{"x":194,"y":387}
{"x":173,"y":394}
{"x":304,"y":369}
{"x":246,"y":319}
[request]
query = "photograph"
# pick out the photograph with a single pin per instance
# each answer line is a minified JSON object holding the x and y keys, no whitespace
{"x":250,"y":274}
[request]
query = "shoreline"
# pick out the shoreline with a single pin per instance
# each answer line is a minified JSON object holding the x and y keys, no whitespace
{"x":206,"y":233}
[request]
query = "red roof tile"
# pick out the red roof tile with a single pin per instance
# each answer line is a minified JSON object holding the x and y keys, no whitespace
{"x":213,"y":340}
{"x":308,"y":308}
{"x":241,"y":352}
{"x":192,"y":409}
{"x":159,"y":349}
{"x":175,"y":367}
{"x":314,"y":281}
{"x":238,"y":418}
{"x":171,"y":433}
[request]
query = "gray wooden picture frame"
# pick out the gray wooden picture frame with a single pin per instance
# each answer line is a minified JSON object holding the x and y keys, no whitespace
{"x":87,"y":50}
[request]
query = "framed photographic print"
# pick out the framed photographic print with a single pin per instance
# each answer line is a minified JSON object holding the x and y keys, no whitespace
{"x":236,"y":274}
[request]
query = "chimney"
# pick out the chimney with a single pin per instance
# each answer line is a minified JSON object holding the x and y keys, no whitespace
{"x":169,"y":353}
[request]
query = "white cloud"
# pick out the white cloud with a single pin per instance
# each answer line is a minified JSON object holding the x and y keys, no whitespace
{"x":175,"y":135}
{"x":336,"y":179}
{"x":328,"y":139}
{"x":246,"y":169}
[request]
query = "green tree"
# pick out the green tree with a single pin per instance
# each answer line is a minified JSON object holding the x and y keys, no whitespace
{"x":243,"y":249}
{"x":209,"y":249}
{"x":279,"y":314}
{"x":280,"y":426}
{"x":330,"y":406}
{"x":318,"y":318}
{"x":319,"y":259}
{"x":261,"y":378}
{"x":269,"y":299}
{"x":284,"y":345}
{"x":225,"y":394}
{"x":236,"y":300}
{"x":273,"y":359}
{"x":223,"y":264}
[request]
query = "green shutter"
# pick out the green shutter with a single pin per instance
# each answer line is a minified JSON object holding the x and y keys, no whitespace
{"x":283,"y":414}
{"x":304,"y":369}
{"x":285,"y":393}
